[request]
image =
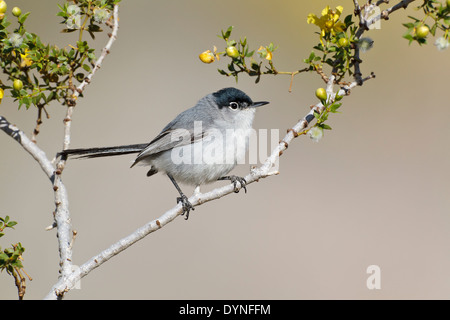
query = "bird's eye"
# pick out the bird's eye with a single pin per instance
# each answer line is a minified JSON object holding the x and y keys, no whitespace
{"x":234,"y":105}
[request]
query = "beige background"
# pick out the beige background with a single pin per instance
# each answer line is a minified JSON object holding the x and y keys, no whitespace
{"x":375,"y":190}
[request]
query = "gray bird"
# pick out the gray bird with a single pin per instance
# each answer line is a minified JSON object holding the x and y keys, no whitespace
{"x":201,"y":145}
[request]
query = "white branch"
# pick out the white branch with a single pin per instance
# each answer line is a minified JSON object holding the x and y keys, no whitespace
{"x":62,"y":215}
{"x":62,"y":218}
{"x":88,"y":79}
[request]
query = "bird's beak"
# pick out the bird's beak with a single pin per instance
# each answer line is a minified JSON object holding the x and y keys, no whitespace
{"x":260,"y":103}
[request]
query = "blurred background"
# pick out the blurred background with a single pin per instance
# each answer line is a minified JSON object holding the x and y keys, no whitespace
{"x":373,"y":191}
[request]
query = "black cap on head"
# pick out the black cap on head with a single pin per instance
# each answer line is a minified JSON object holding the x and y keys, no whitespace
{"x":227,"y":95}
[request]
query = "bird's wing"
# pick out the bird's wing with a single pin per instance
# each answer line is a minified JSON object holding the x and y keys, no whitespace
{"x":167,"y":140}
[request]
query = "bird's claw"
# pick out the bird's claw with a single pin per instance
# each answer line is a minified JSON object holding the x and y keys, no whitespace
{"x":242,"y":182}
{"x":186,"y":205}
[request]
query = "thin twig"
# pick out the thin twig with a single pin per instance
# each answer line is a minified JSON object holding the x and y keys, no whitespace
{"x":365,"y":23}
{"x":386,"y":13}
{"x":38,"y":124}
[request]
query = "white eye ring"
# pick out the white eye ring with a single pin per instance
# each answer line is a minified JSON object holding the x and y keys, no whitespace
{"x":234,"y":105}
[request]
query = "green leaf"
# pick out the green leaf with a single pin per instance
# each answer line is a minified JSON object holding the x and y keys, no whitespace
{"x":26,"y":101}
{"x":68,"y":30}
{"x":49,"y":97}
{"x":348,"y":20}
{"x":23,"y":17}
{"x":433,"y":29}
{"x":86,"y":67}
{"x":228,"y":32}
{"x":415,"y":19}
{"x":409,"y":37}
{"x":310,"y":58}
{"x":335,"y":106}
{"x":3,"y":258}
{"x":255,"y":66}
{"x":94,"y":28}
{"x":11,"y":224}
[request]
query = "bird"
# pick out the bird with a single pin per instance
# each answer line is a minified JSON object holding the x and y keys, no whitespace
{"x":200,"y":145}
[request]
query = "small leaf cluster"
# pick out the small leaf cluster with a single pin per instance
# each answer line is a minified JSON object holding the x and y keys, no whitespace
{"x":6,"y":223}
{"x":329,"y":107}
{"x":335,"y":50}
{"x":242,"y":58}
{"x":436,"y":17}
{"x":86,"y":15}
{"x":10,"y":257}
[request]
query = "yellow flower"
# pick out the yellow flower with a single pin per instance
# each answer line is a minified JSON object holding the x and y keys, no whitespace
{"x":26,"y":61}
{"x":266,"y":52}
{"x":328,"y":22}
{"x":2,"y":93}
{"x":208,"y":56}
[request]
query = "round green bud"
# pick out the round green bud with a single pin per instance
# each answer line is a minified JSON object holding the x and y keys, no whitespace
{"x":17,"y":84}
{"x":422,"y":32}
{"x":232,"y":52}
{"x":16,"y":11}
{"x":343,"y":42}
{"x":321,"y":93}
{"x":3,"y":6}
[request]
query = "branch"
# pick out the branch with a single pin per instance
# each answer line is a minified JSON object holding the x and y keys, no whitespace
{"x":61,"y":214}
{"x":79,"y":90}
{"x":28,"y":145}
{"x":365,"y":23}
{"x":385,"y":13}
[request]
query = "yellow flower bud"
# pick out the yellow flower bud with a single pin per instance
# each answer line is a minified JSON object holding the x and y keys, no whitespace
{"x":232,"y":52}
{"x":3,"y":6}
{"x":17,"y":84}
{"x":422,"y":32}
{"x":321,"y":93}
{"x":207,"y":56}
{"x":343,"y":42}
{"x":16,"y":11}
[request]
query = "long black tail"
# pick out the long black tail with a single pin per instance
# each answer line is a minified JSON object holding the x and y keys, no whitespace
{"x":102,"y":152}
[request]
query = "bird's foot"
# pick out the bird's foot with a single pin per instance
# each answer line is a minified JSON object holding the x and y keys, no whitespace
{"x":234,"y":180}
{"x":186,"y":205}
